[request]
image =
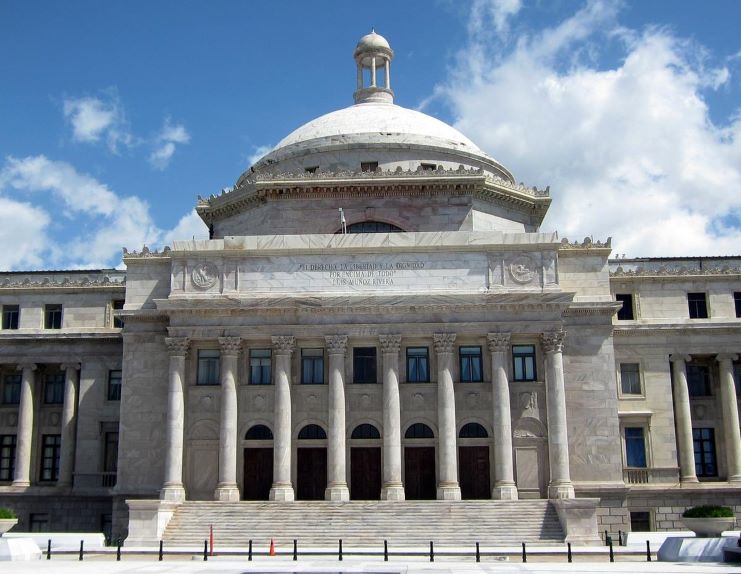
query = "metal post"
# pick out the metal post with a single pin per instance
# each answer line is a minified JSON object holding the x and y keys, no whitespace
{"x":205,"y":550}
{"x":385,"y":551}
{"x":340,"y":552}
{"x":432,"y":552}
{"x":82,"y":546}
{"x":607,"y":538}
{"x":648,"y":551}
{"x":295,"y":550}
{"x":48,"y":549}
{"x":612,"y":554}
{"x":118,"y":551}
{"x":620,"y":537}
{"x":478,"y":554}
{"x":524,"y":553}
{"x":249,"y":554}
{"x":568,"y":551}
{"x":160,"y":554}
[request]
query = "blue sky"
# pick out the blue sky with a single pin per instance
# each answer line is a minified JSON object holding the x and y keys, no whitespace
{"x":114,"y":116}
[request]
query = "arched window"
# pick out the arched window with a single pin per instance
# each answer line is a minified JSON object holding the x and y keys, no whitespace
{"x":312,"y":432}
{"x":365,"y":431}
{"x":419,"y":430}
{"x":259,"y":432}
{"x":372,"y":227}
{"x":473,"y":430}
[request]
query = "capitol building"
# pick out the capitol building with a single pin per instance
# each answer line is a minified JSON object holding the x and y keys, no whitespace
{"x":376,"y":316}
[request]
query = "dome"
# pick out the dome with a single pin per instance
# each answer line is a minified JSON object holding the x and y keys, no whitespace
{"x":372,"y":42}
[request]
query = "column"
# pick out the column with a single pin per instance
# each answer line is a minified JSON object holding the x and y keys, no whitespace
{"x":282,"y":488}
{"x":504,"y":475}
{"x":447,"y":486}
{"x":558,"y":441}
{"x":24,"y":438}
{"x":373,"y":72}
{"x":336,"y":461}
{"x":388,"y":74}
{"x":360,"y":76}
{"x":683,"y":419}
{"x":393,"y":488}
{"x":69,"y":424}
{"x":227,"y":489}
{"x":729,"y":404}
{"x":172,"y":489}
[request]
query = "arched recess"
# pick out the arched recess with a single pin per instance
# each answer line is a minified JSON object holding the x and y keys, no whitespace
{"x":311,"y":463}
{"x":372,"y":226}
{"x":257,"y":467}
{"x":312,"y":432}
{"x":473,"y":462}
{"x":420,"y":477}
{"x":418,"y":430}
{"x":365,"y":463}
{"x":259,"y":432}
{"x":531,"y":458}
{"x":473,"y":430}
{"x":365,"y":431}
{"x":202,"y":460}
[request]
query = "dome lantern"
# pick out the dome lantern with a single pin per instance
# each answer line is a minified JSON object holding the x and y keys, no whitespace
{"x":373,"y":53}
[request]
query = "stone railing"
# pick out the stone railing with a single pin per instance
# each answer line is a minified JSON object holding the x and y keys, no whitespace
{"x":651,"y":475}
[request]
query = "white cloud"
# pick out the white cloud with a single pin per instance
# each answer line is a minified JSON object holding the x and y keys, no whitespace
{"x":165,"y":143}
{"x":23,"y":233}
{"x":257,"y":153}
{"x":190,"y":226}
{"x":95,"y":119}
{"x":496,"y":13}
{"x":629,"y":152}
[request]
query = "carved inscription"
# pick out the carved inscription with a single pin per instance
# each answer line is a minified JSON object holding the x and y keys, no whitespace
{"x":362,"y":274}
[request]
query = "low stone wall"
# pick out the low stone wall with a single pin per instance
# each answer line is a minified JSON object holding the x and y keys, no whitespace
{"x":65,"y":513}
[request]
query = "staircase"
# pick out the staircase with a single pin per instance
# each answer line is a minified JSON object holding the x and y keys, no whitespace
{"x":366,"y":523}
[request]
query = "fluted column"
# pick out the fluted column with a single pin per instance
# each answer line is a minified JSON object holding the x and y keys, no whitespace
{"x":172,"y":489}
{"x":69,"y":424}
{"x":282,"y":488}
{"x":447,"y":487}
{"x":336,"y":461}
{"x":504,"y":475}
{"x":683,"y":419}
{"x":729,"y":405}
{"x":227,"y":489}
{"x":560,"y":485}
{"x":24,"y":438}
{"x":393,"y":488}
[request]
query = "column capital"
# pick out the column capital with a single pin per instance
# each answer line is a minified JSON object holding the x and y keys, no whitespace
{"x":336,"y":344}
{"x":443,"y":342}
{"x":283,"y":344}
{"x":230,"y":345}
{"x":726,"y":357}
{"x":22,"y":366}
{"x":552,"y":341}
{"x":390,"y":343}
{"x":177,"y":346}
{"x":680,"y":357}
{"x":498,"y":342}
{"x":68,"y":366}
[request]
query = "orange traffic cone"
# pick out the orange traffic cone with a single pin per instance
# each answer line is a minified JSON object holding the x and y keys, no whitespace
{"x":272,"y":548}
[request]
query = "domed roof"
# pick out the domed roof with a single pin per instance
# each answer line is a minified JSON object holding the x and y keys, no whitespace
{"x":372,"y":41}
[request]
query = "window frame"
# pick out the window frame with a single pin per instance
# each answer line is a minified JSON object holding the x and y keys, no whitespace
{"x":54,"y":387}
{"x":51,"y":449}
{"x":634,"y":441}
{"x":621,"y":379}
{"x":262,"y":378}
{"x":737,"y":302}
{"x":308,"y":358}
{"x":117,"y":305}
{"x":370,"y":363}
{"x":53,"y":316}
{"x":700,"y":461}
{"x":206,"y":374}
{"x":8,"y":445}
{"x":417,"y":358}
{"x":707,"y":383}
{"x":17,"y":382}
{"x":368,"y":166}
{"x":113,"y":389}
{"x":626,"y":312}
{"x":522,"y":355}
{"x":697,"y":303}
{"x":479,"y":355}
{"x":11,"y":317}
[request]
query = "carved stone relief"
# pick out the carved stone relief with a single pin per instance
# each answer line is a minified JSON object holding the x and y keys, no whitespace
{"x":204,"y":275}
{"x":522,"y":270}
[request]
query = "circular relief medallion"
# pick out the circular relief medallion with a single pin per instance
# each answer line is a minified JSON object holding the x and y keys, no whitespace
{"x":260,"y":402}
{"x":521,"y":269}
{"x":204,"y":275}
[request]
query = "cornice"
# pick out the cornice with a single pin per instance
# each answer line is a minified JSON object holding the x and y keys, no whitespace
{"x":146,"y":253}
{"x":675,"y":328}
{"x":587,"y":245}
{"x":57,"y":336}
{"x":678,"y":272}
{"x":64,"y":284}
{"x":580,"y":308}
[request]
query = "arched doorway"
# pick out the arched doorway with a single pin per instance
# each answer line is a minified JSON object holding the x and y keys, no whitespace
{"x":258,"y":463}
{"x":365,"y":463}
{"x":311,"y":463}
{"x":473,"y":462}
{"x":419,"y":463}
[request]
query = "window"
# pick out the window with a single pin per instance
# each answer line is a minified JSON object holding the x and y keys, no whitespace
{"x":737,"y":377}
{"x":368,"y":165}
{"x":12,"y":389}
{"x":114,"y":385}
{"x":11,"y":314}
{"x":39,"y":522}
{"x":473,"y":430}
{"x":311,"y":169}
{"x":635,"y":447}
{"x":630,"y":379}
{"x":698,"y":305}
{"x":117,"y":305}
{"x":640,"y":521}
{"x":312,"y":366}
{"x":260,"y":367}
{"x":428,"y":167}
{"x":698,"y":380}
{"x":736,"y":301}
{"x":7,"y":457}
{"x":110,"y":459}
{"x":418,"y":365}
{"x":208,"y":367}
{"x":419,"y":430}
{"x":470,"y":358}
{"x":372,"y":227}
{"x":54,"y":388}
{"x":523,"y":358}
{"x":704,"y":442}
{"x":626,"y":313}
{"x":53,"y":316}
{"x":365,"y":431}
{"x":364,"y":365}
{"x":259,"y":432}
{"x":312,"y":432}
{"x":51,"y":444}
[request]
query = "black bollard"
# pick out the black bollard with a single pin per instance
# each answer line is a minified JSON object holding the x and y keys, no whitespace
{"x":295,"y":550}
{"x":620,"y":537}
{"x":607,"y":538}
{"x":432,"y":552}
{"x":612,"y":554}
{"x":385,"y":551}
{"x":339,"y":555}
{"x":118,"y":551}
{"x":478,"y":554}
{"x":568,"y":551}
{"x":648,"y":551}
{"x":82,"y":549}
{"x":249,"y":553}
{"x":48,"y":549}
{"x":524,"y":553}
{"x":160,"y":554}
{"x":205,"y":550}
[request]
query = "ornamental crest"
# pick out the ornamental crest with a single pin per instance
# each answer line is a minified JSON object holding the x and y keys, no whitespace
{"x":204,"y":275}
{"x":521,"y":269}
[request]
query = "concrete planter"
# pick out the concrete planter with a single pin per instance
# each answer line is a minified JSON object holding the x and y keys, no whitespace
{"x":6,"y":524}
{"x":709,"y":527}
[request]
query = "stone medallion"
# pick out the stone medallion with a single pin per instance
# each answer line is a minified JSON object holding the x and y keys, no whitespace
{"x":260,"y":403}
{"x":204,"y":275}
{"x":472,"y":399}
{"x":419,"y":399}
{"x":365,"y":401}
{"x":521,"y":269}
{"x":54,"y":419}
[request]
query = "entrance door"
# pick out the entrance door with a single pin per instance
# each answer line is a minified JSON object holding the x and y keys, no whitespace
{"x":473,"y":472}
{"x":311,"y":473}
{"x":419,"y":473}
{"x":258,"y":473}
{"x":365,"y":473}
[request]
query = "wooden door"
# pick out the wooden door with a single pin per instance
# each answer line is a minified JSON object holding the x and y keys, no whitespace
{"x":473,"y":472}
{"x":365,"y":473}
{"x":419,"y":473}
{"x":311,"y":473}
{"x":258,"y":473}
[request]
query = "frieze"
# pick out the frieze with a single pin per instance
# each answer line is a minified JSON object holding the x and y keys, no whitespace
{"x":146,"y":253}
{"x":674,"y":271}
{"x":586,"y":243}
{"x":67,"y":281}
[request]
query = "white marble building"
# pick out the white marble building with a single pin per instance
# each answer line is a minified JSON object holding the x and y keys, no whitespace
{"x":443,"y":347}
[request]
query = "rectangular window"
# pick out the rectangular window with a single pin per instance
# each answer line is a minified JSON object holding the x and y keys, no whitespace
{"x":12,"y":389}
{"x":523,"y":359}
{"x":311,"y":169}
{"x":114,"y":385}
{"x":640,"y":521}
{"x":50,"y":449}
{"x":698,"y":380}
{"x":260,"y":373}
{"x":117,"y":305}
{"x":630,"y":378}
{"x":39,"y":522}
{"x":737,"y":302}
{"x":704,"y":442}
{"x":11,"y":315}
{"x":208,"y":367}
{"x":110,"y":459}
{"x":428,"y":167}
{"x":7,"y":457}
{"x":312,"y":366}
{"x":418,"y":365}
{"x":737,"y":377}
{"x":53,"y":316}
{"x":54,"y":388}
{"x":698,"y":305}
{"x":368,"y":165}
{"x":364,"y":365}
{"x":626,"y":313}
{"x":470,"y":359}
{"x":635,"y":447}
